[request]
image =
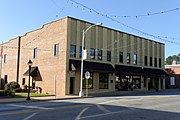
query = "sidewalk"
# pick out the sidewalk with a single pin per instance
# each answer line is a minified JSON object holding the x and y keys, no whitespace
{"x":47,"y":98}
{"x":117,"y":93}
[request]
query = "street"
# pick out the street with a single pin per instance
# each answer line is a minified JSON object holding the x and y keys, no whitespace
{"x":150,"y":106}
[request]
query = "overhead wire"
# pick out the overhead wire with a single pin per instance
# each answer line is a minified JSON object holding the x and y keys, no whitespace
{"x":146,"y":15}
{"x":78,"y":5}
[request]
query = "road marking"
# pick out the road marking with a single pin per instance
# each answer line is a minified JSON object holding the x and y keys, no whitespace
{"x":29,"y":117}
{"x":79,"y":115}
{"x":103,"y":114}
{"x":25,"y":106}
{"x":103,"y":109}
{"x":32,"y":111}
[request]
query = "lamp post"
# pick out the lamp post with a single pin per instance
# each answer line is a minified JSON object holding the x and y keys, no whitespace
{"x":82,"y":58}
{"x":29,"y":64}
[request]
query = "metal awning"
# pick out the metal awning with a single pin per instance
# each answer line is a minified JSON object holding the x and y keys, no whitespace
{"x":155,"y":72}
{"x":91,"y":66}
{"x":33,"y":72}
{"x":129,"y":70}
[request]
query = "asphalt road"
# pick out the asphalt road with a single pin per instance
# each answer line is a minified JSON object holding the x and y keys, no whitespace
{"x":154,"y":106}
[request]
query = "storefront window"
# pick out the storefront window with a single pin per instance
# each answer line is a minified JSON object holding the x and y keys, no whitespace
{"x":103,"y":81}
{"x":90,"y":82}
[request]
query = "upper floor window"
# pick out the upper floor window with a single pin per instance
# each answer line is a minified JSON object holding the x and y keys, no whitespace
{"x":128,"y":58}
{"x":72,"y":50}
{"x":135,"y":58}
{"x":56,"y":49}
{"x":35,"y":53}
{"x":5,"y":58}
{"x":151,"y":61}
{"x":155,"y":62}
{"x":109,"y":55}
{"x":121,"y":57}
{"x":99,"y":54}
{"x":92,"y":53}
{"x":160,"y":62}
{"x":145,"y":61}
{"x":80,"y":52}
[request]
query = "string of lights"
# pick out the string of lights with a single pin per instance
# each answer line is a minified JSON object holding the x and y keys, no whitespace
{"x":146,"y":15}
{"x":83,"y":7}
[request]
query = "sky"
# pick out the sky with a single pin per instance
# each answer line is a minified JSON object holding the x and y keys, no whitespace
{"x":19,"y":16}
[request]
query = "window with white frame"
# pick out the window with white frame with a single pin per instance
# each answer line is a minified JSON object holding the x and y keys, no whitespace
{"x":56,"y":49}
{"x":35,"y":53}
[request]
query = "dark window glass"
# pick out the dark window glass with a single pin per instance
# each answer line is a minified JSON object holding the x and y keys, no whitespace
{"x":103,"y":81}
{"x":160,"y":62}
{"x":155,"y":62}
{"x":23,"y":81}
{"x":128,"y":58}
{"x":99,"y":54}
{"x":150,"y":61}
{"x":121,"y":57}
{"x":35,"y":53}
{"x":56,"y":49}
{"x":5,"y":79}
{"x":5,"y":58}
{"x":72,"y":50}
{"x":135,"y":58}
{"x":109,"y":55}
{"x":90,"y":81}
{"x":145,"y":61}
{"x":80,"y":52}
{"x":92,"y":53}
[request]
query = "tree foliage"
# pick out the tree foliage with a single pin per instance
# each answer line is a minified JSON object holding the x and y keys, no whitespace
{"x":170,"y":59}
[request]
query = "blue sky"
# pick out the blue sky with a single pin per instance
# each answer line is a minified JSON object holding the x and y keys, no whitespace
{"x":19,"y":17}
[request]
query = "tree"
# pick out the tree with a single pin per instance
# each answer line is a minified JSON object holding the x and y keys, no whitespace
{"x":170,"y":59}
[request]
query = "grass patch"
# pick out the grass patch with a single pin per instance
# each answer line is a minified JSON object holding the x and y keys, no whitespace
{"x":24,"y":95}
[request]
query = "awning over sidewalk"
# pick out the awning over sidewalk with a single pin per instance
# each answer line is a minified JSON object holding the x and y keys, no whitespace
{"x":155,"y":72}
{"x":33,"y":72}
{"x":91,"y":66}
{"x":129,"y":70}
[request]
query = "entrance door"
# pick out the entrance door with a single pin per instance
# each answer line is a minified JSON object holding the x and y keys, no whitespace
{"x":71,"y":85}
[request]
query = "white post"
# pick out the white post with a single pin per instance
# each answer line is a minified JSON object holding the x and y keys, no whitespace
{"x":86,"y":87}
{"x":82,"y":58}
{"x":80,"y":92}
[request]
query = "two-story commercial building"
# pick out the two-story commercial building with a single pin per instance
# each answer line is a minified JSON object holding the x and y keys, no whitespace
{"x":115,"y":59}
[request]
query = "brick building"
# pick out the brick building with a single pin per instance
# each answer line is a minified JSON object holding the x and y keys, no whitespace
{"x":173,"y":75}
{"x":114,"y":58}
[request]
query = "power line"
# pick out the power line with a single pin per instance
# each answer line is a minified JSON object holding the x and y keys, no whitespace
{"x":114,"y":20}
{"x":146,"y":15}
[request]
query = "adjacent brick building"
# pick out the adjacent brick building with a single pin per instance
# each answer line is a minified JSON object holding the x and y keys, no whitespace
{"x":173,"y":75}
{"x":114,"y":59}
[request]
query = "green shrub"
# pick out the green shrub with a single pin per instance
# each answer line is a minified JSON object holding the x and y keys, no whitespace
{"x":24,"y":88}
{"x":12,"y":86}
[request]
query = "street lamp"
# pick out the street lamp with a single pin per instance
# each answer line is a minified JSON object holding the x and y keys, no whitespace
{"x":29,"y":64}
{"x":82,"y":58}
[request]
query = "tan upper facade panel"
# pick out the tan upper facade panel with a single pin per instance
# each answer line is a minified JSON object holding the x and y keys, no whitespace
{"x":106,"y":39}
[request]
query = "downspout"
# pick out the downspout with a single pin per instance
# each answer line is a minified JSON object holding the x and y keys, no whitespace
{"x":18,"y":59}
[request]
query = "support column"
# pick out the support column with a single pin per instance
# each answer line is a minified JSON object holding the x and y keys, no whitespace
{"x":142,"y":82}
{"x":159,"y":80}
{"x":164,"y":84}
